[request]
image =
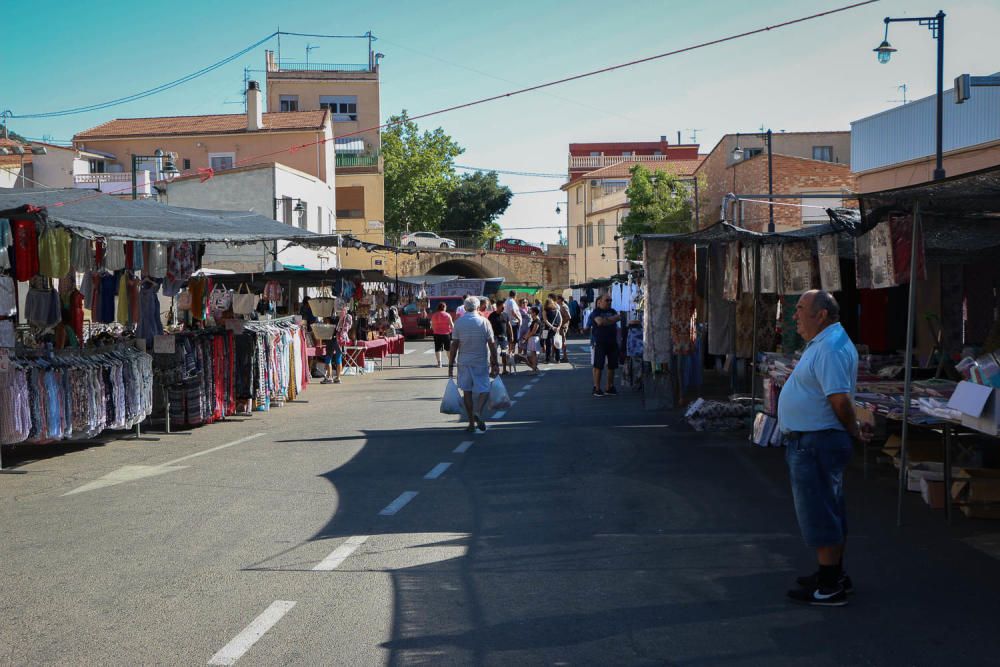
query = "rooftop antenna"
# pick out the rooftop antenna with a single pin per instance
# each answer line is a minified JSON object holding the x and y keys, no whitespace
{"x":694,"y":133}
{"x":309,"y":48}
{"x":901,"y":87}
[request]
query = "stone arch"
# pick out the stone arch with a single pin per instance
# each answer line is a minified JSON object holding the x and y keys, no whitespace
{"x":459,"y":267}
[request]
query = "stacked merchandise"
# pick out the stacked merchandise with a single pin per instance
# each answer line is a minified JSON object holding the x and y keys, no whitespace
{"x":72,"y":395}
{"x":271,"y":362}
{"x":705,"y":415}
{"x":197,"y":376}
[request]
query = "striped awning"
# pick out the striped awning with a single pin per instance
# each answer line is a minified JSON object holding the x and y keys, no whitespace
{"x":350,"y":145}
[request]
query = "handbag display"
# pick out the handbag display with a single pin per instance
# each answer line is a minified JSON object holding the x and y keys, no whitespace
{"x":244,"y":302}
{"x":220,"y":299}
{"x":323,"y":331}
{"x":184,"y":300}
{"x":324,"y":304}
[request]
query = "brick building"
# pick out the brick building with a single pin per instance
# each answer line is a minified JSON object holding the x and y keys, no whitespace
{"x":803,"y":162}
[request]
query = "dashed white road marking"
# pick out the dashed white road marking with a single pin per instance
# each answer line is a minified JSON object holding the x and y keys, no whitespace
{"x":512,"y":404}
{"x":408,"y":351}
{"x":242,"y":642}
{"x":399,"y":503}
{"x":463,"y":447}
{"x":500,"y":415}
{"x":521,"y":393}
{"x":430,"y":351}
{"x":437,"y":470}
{"x":340,"y":554}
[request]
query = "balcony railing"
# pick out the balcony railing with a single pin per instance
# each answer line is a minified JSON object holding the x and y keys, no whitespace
{"x":286,"y":66}
{"x":354,"y":160}
{"x":598,"y":161}
{"x":116,"y":183}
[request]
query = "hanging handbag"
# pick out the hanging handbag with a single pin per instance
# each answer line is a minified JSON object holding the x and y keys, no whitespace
{"x":220,"y":299}
{"x":184,"y":300}
{"x":272,"y":291}
{"x":324,"y":304}
{"x":244,"y":302}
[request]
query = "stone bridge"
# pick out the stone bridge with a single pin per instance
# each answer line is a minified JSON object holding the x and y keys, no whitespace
{"x":549,"y":270}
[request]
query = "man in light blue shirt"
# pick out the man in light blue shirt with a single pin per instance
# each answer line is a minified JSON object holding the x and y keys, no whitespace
{"x":817,"y":421}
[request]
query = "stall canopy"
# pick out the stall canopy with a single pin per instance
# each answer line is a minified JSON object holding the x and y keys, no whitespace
{"x":92,"y":214}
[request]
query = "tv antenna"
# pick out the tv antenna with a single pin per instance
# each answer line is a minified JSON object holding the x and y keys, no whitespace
{"x":309,"y":49}
{"x":901,"y":87}
{"x":694,"y":133}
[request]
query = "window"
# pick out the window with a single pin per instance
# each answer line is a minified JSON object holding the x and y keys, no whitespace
{"x":590,"y":234}
{"x":579,"y":194}
{"x":187,"y":164}
{"x":289,"y":103}
{"x":342,"y":107}
{"x":579,"y":236}
{"x":97,"y":166}
{"x":824,"y":153}
{"x":751,"y":152}
{"x":600,"y":231}
{"x":221,"y":161}
{"x":595,"y":153}
{"x":304,"y":216}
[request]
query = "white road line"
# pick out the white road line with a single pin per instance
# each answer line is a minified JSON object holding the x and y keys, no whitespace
{"x":463,"y":447}
{"x":430,"y":351}
{"x":340,"y":554}
{"x":520,"y":394}
{"x":213,"y":449}
{"x":242,"y":642}
{"x":437,"y":470}
{"x":500,"y":415}
{"x":512,"y":404}
{"x":399,"y":503}
{"x":408,"y":351}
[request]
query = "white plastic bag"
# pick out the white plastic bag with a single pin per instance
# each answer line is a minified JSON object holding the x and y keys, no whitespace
{"x":451,"y":402}
{"x":499,"y":398}
{"x":557,"y":342}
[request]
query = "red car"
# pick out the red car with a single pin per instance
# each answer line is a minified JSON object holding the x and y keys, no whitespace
{"x":517,"y":245}
{"x":411,"y":317}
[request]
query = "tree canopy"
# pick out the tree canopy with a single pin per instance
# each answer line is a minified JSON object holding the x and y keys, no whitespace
{"x":659,"y":203}
{"x":474,"y":203}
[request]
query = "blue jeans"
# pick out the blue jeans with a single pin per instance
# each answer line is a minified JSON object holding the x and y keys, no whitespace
{"x":816,"y":462}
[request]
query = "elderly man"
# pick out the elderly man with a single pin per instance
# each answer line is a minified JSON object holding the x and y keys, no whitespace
{"x":471,"y":342}
{"x":817,"y":421}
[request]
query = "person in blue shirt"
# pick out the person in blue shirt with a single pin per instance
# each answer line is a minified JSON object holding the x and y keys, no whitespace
{"x":603,"y":325}
{"x":817,"y":421}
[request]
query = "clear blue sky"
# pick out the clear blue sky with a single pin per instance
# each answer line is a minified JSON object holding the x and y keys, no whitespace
{"x":815,"y":76}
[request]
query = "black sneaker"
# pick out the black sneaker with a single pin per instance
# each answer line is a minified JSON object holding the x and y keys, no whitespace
{"x":812,"y":581}
{"x":819,"y":596}
{"x":612,"y":392}
{"x":598,"y":392}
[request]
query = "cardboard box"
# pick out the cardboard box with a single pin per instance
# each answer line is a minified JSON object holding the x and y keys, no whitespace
{"x":932,"y":491}
{"x":976,"y":486}
{"x":979,"y":405}
{"x":919,"y":447}
{"x":916,"y":471}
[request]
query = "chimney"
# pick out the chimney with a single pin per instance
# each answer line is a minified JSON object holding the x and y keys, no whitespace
{"x":663,"y":138}
{"x":255,"y":107}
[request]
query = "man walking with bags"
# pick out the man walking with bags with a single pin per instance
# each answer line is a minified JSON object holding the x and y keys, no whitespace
{"x":475,"y":350}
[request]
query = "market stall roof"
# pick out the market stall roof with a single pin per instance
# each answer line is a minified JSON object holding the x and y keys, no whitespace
{"x":93,"y":214}
{"x":427,"y":279}
{"x":971,"y":196}
{"x":307,"y":278}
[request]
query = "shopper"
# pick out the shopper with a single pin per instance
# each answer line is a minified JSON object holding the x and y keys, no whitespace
{"x":531,"y":325}
{"x":512,"y":311}
{"x":502,"y":332}
{"x":603,"y":327}
{"x":817,"y":422}
{"x":335,"y":347}
{"x":551,"y":321}
{"x":574,"y":315}
{"x":475,"y":350}
{"x":564,"y":314}
{"x":522,"y":331}
{"x":441,"y":325}
{"x":460,"y":309}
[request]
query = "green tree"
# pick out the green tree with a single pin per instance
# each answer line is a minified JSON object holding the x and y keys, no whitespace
{"x":419,"y":175}
{"x":659,"y":203}
{"x":474,"y":203}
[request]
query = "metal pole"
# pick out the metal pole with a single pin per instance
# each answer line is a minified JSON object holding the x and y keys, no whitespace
{"x":135,"y":194}
{"x":911,"y":307}
{"x":947,"y":472}
{"x":753,"y":349}
{"x":770,"y":186}
{"x":939,"y":167}
{"x":697,"y":210}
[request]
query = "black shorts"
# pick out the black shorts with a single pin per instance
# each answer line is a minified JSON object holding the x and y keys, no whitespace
{"x":606,"y":352}
{"x":442,"y":342}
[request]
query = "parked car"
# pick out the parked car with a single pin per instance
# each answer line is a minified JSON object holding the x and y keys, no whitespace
{"x":426,"y":240}
{"x":517,"y":245}
{"x":412,"y":317}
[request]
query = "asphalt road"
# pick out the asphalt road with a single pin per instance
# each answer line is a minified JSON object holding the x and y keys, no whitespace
{"x":577,"y":531}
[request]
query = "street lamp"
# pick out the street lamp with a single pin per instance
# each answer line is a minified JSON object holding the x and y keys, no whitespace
{"x":738,"y":154}
{"x":884,"y":52}
{"x":164,"y":163}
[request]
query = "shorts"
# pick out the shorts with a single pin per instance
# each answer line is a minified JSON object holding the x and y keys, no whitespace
{"x":502,"y":343}
{"x":816,"y":462}
{"x":474,"y":378}
{"x":335,"y":358}
{"x":534,"y":345}
{"x":605,"y":352}
{"x":442,"y":342}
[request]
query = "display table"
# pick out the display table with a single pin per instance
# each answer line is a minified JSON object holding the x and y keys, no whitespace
{"x":395,"y":348}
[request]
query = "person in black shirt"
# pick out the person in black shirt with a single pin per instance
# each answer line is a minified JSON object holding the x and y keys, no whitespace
{"x":603,"y":326}
{"x":502,"y":332}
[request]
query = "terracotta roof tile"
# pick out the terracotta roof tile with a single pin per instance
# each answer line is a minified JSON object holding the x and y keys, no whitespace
{"x":217,"y":124}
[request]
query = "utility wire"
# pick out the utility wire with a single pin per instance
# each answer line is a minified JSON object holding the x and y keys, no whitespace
{"x":151,"y":91}
{"x":535,"y":174}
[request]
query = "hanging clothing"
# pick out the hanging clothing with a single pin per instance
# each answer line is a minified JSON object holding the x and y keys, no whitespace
{"x":81,"y":254}
{"x":25,"y":249}
{"x":53,"y":252}
{"x":106,"y":300}
{"x":721,"y":312}
{"x":156,"y":259}
{"x":682,"y":277}
{"x":150,"y":324}
{"x":42,"y":307}
{"x":121,"y":312}
{"x":75,"y":307}
{"x":6,"y":239}
{"x":197,"y":287}
{"x":8,"y":308}
{"x":798,"y":268}
{"x":114,"y":255}
{"x":731,"y":272}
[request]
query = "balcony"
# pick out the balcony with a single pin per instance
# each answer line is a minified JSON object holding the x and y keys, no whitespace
{"x":116,"y":183}
{"x":354,"y":160}
{"x":590,"y":162}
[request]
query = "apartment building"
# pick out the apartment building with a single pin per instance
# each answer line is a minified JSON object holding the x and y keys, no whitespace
{"x":197,"y":153}
{"x":350,"y":94}
{"x":598,"y":174}
{"x":813,"y":163}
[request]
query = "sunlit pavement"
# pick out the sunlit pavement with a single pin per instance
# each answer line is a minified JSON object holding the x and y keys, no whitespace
{"x":359,"y":526}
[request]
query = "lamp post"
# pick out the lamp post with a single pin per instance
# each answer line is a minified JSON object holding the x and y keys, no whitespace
{"x":299,"y":208}
{"x":738,"y":156}
{"x":884,"y":52}
{"x":168,"y":168}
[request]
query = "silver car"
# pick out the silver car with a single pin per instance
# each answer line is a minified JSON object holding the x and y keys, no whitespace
{"x":426,"y":240}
